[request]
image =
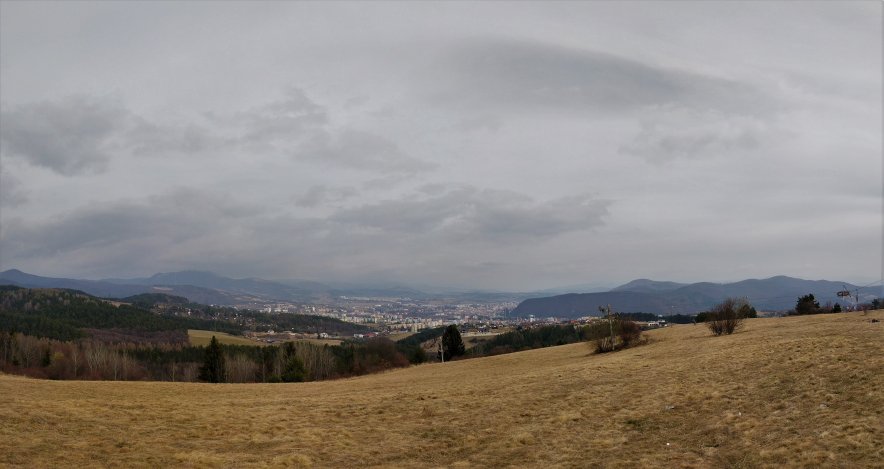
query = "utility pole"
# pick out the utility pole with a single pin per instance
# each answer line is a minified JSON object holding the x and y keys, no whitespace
{"x":607,"y":311}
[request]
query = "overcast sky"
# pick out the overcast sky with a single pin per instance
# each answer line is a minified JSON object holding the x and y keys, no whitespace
{"x":492,"y":145}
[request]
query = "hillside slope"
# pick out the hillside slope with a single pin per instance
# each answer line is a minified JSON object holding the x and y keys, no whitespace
{"x":793,"y":392}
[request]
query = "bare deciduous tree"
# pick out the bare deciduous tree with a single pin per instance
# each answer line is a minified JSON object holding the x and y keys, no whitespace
{"x":240,"y":369}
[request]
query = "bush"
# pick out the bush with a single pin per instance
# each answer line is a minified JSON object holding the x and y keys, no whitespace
{"x":604,"y":345}
{"x":626,"y":334}
{"x":629,"y":333}
{"x":417,"y":356}
{"x":727,"y":317}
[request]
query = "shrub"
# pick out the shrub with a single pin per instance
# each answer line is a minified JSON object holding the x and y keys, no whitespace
{"x":629,"y":333}
{"x":418,"y":355}
{"x":604,"y":345}
{"x":727,"y":317}
{"x":626,"y":334}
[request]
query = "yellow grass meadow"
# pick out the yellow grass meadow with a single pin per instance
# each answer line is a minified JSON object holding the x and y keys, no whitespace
{"x":783,"y":392}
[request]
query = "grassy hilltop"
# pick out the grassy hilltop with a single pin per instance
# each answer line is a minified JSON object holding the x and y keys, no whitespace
{"x":796,"y":391}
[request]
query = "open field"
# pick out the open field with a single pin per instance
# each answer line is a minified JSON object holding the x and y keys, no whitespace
{"x":471,"y":341}
{"x":321,"y":341}
{"x":198,"y":337}
{"x":784,"y":392}
{"x":400,"y":335}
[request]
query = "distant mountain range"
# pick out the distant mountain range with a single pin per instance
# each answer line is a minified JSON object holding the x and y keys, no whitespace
{"x":642,"y":295}
{"x":199,"y":287}
{"x":121,"y":289}
{"x":649,"y":296}
{"x":210,"y":288}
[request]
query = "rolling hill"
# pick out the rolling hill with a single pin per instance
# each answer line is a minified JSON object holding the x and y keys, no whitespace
{"x":784,"y":392}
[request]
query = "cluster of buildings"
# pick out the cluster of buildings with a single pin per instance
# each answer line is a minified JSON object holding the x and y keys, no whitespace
{"x":399,"y":315}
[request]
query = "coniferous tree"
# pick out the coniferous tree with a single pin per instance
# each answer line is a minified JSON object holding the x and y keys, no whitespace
{"x":213,"y":369}
{"x":293,"y":369}
{"x":807,"y":304}
{"x":452,"y":344}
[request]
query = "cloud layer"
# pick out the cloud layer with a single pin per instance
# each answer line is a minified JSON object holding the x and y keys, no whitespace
{"x":481,"y":145}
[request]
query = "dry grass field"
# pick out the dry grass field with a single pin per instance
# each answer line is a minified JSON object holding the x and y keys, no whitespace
{"x":784,"y":392}
{"x":321,"y":341}
{"x":400,"y":336}
{"x":198,"y":337}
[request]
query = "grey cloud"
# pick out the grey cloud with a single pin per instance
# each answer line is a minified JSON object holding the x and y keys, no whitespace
{"x":671,"y":133}
{"x":487,"y":123}
{"x":178,"y":230}
{"x":528,"y":75}
{"x":286,"y":119}
{"x":299,"y":127}
{"x":468,"y":212}
{"x":81,"y":134}
{"x":11,"y":192}
{"x":318,"y":195}
{"x":360,"y":150}
{"x":158,"y":221}
{"x":147,"y":138}
{"x":72,"y":136}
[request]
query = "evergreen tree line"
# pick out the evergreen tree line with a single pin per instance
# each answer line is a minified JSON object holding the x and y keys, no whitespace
{"x":808,"y":304}
{"x":86,"y":359}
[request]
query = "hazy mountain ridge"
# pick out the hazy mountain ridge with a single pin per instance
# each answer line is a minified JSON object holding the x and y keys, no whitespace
{"x":772,"y":294}
{"x":92,"y":287}
{"x":112,"y":289}
{"x":648,"y":286}
{"x":209,"y":288}
{"x":644,"y":295}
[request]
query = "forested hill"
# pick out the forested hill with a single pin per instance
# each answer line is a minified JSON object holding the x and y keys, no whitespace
{"x":69,"y":314}
{"x":149,"y":300}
